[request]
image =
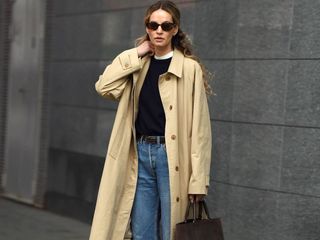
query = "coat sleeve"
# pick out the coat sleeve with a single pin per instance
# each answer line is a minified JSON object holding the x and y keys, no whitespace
{"x":200,"y":139}
{"x":116,"y":75}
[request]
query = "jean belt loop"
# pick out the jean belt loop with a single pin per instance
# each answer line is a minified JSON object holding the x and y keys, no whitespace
{"x":158,"y":139}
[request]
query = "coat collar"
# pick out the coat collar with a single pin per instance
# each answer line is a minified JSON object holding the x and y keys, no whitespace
{"x":176,"y":64}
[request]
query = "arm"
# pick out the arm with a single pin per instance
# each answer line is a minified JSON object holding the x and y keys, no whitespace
{"x":200,"y":139}
{"x":113,"y":80}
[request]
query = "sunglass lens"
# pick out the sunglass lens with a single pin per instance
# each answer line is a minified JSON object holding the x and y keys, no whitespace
{"x":153,"y":25}
{"x":166,"y":26}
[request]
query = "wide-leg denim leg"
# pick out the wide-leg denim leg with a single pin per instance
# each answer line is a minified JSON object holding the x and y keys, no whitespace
{"x":164,"y":192}
{"x":152,"y":198}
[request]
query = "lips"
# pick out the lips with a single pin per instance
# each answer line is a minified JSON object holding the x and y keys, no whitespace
{"x":158,"y":39}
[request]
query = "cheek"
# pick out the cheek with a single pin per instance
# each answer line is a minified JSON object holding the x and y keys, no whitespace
{"x":170,"y":36}
{"x":149,"y":32}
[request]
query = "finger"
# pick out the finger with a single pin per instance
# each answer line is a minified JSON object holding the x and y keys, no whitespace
{"x":151,"y":48}
{"x":199,"y":198}
{"x":151,"y":53}
{"x":191,"y":198}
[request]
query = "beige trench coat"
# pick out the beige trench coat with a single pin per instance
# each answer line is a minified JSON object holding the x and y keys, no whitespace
{"x":187,"y":135}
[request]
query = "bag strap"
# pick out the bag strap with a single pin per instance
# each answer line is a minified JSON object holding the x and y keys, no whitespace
{"x":188,"y":210}
{"x":202,"y":204}
{"x":200,"y":211}
{"x":206,"y":210}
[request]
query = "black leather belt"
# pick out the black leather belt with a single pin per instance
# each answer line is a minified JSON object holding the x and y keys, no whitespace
{"x":151,"y":139}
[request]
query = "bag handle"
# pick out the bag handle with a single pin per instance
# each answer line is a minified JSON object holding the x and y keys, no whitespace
{"x":201,"y":204}
{"x":188,"y":210}
{"x":206,"y":210}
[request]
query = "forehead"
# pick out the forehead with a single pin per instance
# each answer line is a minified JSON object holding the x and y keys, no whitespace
{"x":160,"y":16}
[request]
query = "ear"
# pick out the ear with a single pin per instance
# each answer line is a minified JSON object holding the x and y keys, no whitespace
{"x":176,"y":29}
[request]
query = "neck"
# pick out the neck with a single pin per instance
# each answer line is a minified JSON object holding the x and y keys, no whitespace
{"x":162,"y":51}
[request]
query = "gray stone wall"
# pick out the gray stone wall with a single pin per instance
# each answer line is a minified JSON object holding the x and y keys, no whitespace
{"x":265,"y":116}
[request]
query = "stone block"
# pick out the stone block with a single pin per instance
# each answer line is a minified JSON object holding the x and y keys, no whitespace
{"x":245,"y":29}
{"x":303,"y":94}
{"x":76,"y":37}
{"x":222,"y":85}
{"x":300,"y":164}
{"x":136,"y":27}
{"x":218,"y":204}
{"x":259,"y":91}
{"x":263,"y":28}
{"x":215,"y":28}
{"x":246,"y":214}
{"x":61,"y":7}
{"x":119,"y":29}
{"x":188,"y":16}
{"x":73,"y":84}
{"x":251,"y":214}
{"x":298,"y":217}
{"x":305,"y":34}
{"x":256,"y":156}
{"x":221,"y":150}
{"x":68,"y":206}
{"x":83,"y":130}
{"x":123,"y":4}
{"x":74,"y":174}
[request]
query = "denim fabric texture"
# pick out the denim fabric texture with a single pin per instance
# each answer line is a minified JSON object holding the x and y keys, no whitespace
{"x":150,"y":217}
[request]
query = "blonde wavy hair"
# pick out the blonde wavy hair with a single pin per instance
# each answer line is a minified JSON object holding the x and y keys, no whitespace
{"x":180,"y":40}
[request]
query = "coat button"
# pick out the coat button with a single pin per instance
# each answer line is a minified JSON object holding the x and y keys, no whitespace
{"x":173,"y":137}
{"x":177,"y":168}
{"x":167,"y":78}
{"x":178,"y":199}
{"x":170,"y":107}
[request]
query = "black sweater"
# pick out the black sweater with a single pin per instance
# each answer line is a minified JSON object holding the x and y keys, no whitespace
{"x":151,"y":117}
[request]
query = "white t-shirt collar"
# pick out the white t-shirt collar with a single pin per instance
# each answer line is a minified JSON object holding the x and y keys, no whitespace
{"x":166,"y":56}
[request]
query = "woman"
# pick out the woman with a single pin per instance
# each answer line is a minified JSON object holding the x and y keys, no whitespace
{"x":160,"y":147}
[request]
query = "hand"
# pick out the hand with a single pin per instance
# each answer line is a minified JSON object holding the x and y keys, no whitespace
{"x":196,"y":197}
{"x":145,"y":48}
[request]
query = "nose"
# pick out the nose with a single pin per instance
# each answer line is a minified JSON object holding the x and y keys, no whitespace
{"x":159,"y":29}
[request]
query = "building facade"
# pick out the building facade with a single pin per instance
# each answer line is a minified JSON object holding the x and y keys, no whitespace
{"x":54,"y":128}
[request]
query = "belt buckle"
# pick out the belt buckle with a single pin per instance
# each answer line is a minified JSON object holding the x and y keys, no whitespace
{"x":151,"y":139}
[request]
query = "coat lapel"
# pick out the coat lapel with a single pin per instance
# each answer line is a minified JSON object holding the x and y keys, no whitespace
{"x":176,"y":64}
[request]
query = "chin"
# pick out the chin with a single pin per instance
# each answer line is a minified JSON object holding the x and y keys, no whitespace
{"x":162,"y":44}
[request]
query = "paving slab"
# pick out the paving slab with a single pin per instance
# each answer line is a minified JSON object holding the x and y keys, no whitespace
{"x":23,"y":222}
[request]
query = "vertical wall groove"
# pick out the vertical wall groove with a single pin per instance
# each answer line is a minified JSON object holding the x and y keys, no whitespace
{"x":5,"y":17}
{"x":44,"y":135}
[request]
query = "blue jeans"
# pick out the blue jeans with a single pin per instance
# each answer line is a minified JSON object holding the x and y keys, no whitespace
{"x":150,"y":217}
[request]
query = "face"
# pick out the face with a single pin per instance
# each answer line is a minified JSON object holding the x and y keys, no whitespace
{"x":160,"y":38}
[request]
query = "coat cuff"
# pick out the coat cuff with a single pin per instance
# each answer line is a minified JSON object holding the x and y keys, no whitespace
{"x":199,"y":185}
{"x":129,"y":59}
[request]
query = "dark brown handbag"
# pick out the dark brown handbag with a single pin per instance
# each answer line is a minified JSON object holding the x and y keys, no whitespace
{"x":199,"y":228}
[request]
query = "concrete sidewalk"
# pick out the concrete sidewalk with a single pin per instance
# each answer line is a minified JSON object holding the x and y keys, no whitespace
{"x":22,"y":222}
